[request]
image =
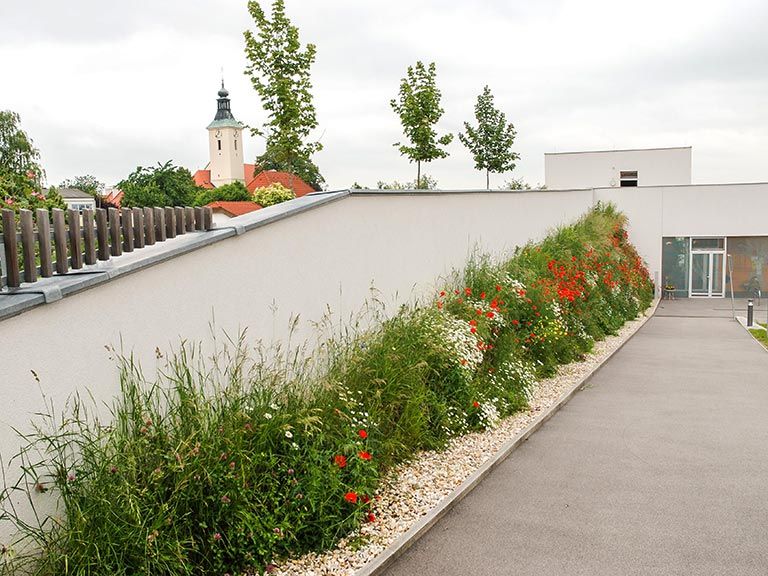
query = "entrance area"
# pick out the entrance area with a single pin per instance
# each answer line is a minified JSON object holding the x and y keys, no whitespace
{"x":707,"y":268}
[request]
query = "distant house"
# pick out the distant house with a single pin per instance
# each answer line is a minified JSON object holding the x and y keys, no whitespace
{"x":223,"y":211}
{"x":76,"y":199}
{"x":226,"y":157}
{"x":113,"y":196}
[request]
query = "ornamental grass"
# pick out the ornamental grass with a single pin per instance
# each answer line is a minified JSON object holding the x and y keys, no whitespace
{"x":225,"y":463}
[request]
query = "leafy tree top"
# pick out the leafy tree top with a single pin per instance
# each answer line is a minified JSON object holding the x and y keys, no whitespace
{"x":418,"y":105}
{"x":88,"y":184}
{"x":272,"y":194}
{"x":279,"y":70}
{"x":490,"y":142}
{"x":234,"y":192}
{"x":163,"y":185}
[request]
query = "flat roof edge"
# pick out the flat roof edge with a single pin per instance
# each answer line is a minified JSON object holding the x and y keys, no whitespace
{"x":619,"y":150}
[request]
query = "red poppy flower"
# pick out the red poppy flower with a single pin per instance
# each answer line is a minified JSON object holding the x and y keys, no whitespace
{"x":364,"y":455}
{"x":473,"y":330}
{"x":340,"y":461}
{"x":365,"y":499}
{"x":475,"y":404}
{"x":516,"y":322}
{"x":490,"y":314}
{"x":363,"y":434}
{"x":468,"y":291}
{"x":498,"y":288}
{"x":479,"y":312}
{"x":439,"y":305}
{"x":463,"y":361}
{"x":371,"y":517}
{"x":473,"y":322}
{"x":442,"y":293}
{"x":351,"y":497}
{"x":482,"y":295}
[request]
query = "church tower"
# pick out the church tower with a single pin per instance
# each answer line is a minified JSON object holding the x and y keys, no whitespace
{"x":225,"y":143}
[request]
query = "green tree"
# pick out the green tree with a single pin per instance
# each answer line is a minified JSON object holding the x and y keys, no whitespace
{"x":272,"y":194}
{"x":490,"y":142}
{"x":418,"y":105}
{"x":233,"y":192}
{"x":279,"y":70}
{"x":164,"y":185}
{"x":88,"y":184}
{"x":20,"y":172}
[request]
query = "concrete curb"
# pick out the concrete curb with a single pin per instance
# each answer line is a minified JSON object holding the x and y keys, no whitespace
{"x":379,"y":564}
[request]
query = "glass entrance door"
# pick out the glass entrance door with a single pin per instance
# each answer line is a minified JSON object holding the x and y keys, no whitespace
{"x":707,"y":273}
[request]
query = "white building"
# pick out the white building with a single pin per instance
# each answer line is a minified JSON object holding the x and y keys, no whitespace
{"x":616,"y":168}
{"x":76,"y":199}
{"x":225,"y":144}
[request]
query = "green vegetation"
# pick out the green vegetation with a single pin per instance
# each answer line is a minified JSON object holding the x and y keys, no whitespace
{"x":760,"y":335}
{"x":234,"y":192}
{"x":227,"y":461}
{"x":490,"y":142}
{"x":272,"y":194}
{"x":280,"y":73}
{"x":418,"y":106}
{"x":164,"y":185}
{"x":88,"y":184}
{"x":20,"y":172}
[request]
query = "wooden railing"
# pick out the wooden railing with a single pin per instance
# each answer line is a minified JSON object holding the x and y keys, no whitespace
{"x":45,"y":244}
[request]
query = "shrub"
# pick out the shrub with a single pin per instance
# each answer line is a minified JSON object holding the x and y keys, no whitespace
{"x":233,"y":192}
{"x":272,"y":194}
{"x":227,"y":463}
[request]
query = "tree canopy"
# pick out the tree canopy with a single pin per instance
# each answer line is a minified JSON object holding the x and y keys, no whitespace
{"x":163,"y":185}
{"x":490,"y":142}
{"x":20,"y":171}
{"x":279,"y":70}
{"x":234,"y":192}
{"x":418,"y":106}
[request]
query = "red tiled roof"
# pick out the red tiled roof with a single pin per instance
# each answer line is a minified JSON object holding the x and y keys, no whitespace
{"x":267,"y":177}
{"x":203,"y":178}
{"x":235,"y":208}
{"x":114,"y":197}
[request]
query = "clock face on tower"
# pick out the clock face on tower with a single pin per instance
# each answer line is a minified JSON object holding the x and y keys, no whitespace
{"x":218,"y":134}
{"x":236,"y":134}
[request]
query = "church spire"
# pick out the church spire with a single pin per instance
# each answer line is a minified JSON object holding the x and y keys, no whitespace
{"x":223,"y":111}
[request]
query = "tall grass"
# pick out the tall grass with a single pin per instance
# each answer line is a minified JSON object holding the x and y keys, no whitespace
{"x":226,"y":463}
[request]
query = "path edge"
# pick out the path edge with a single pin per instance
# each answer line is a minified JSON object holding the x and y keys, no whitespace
{"x":404,"y":542}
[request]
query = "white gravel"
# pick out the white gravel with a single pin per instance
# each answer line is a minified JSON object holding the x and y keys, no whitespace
{"x":412,"y":489}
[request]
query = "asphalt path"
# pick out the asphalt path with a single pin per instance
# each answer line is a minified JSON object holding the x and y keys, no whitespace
{"x":659,"y":466}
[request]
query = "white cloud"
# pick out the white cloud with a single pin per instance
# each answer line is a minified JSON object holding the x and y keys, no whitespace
{"x":104,"y":87}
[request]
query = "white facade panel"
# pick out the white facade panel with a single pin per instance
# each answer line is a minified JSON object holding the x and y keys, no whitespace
{"x":654,"y":167}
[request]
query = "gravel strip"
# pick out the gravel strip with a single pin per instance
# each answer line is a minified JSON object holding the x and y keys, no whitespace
{"x":414,"y":488}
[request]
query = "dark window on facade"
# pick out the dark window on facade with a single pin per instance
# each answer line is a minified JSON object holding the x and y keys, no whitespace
{"x":235,"y":144}
{"x":219,"y":143}
{"x":628,"y":178}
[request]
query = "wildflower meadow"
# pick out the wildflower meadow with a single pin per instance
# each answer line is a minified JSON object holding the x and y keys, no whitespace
{"x":225,"y":463}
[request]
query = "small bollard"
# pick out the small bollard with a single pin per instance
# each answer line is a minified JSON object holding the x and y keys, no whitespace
{"x":750,"y":313}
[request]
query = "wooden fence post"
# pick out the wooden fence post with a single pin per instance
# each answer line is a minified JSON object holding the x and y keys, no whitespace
{"x":170,"y":222}
{"x":60,"y":241}
{"x":89,"y":236}
{"x":138,"y":227}
{"x":149,"y":226}
{"x":159,"y":225}
{"x":102,"y":232}
{"x":189,"y":219}
{"x":75,"y":252}
{"x":28,"y":245}
{"x":199,"y":225}
{"x":44,"y":241}
{"x":10,"y":244}
{"x":115,"y":247}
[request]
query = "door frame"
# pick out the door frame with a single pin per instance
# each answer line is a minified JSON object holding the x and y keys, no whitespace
{"x":710,"y":252}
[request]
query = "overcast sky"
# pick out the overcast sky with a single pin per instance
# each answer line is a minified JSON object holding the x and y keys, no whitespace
{"x":105,"y":86}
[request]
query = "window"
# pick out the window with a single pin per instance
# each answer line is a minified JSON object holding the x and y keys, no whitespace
{"x":219,"y":143}
{"x":708,"y":244}
{"x":628,"y":178}
{"x":235,"y":144}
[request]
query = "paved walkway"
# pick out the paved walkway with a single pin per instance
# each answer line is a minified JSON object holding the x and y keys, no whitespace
{"x":659,"y":467}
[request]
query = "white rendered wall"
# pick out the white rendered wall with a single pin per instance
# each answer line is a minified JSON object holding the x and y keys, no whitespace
{"x":655,"y":167}
{"x":329,"y":256}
